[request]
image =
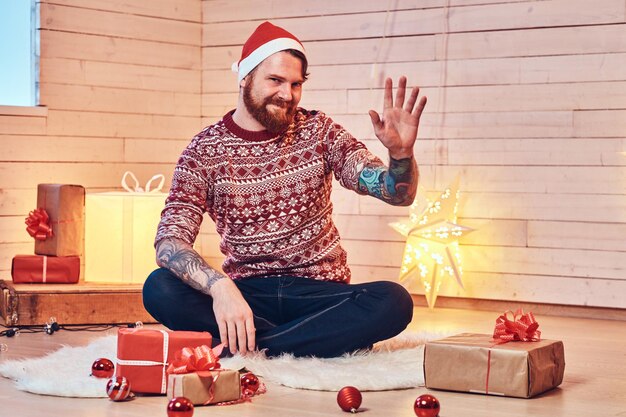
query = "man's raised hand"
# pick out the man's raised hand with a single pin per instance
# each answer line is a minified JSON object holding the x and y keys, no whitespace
{"x":397,"y":130}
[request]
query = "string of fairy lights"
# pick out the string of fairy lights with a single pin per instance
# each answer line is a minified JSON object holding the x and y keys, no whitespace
{"x":52,"y":326}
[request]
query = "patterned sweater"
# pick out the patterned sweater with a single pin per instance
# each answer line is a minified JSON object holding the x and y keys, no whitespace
{"x":268,"y":195}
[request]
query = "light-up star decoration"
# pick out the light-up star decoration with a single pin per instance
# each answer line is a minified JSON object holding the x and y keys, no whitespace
{"x":432,"y":250}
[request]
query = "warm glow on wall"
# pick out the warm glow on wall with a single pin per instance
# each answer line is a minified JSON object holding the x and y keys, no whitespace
{"x":431,"y":253}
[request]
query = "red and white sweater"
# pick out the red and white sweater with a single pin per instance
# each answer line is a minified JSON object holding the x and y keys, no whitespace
{"x":268,"y":195}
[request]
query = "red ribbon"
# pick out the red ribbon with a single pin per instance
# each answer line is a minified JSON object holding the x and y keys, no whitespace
{"x":522,"y":328}
{"x":198,"y":359}
{"x":38,"y":224}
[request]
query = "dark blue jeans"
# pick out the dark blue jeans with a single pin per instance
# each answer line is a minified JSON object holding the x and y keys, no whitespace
{"x":291,"y":314}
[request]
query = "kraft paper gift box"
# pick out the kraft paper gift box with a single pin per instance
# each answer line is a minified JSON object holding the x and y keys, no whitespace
{"x":65,"y":205}
{"x":206,"y":387}
{"x":119,"y":235}
{"x":45,"y":269}
{"x":471,"y":362}
{"x":143,"y":355}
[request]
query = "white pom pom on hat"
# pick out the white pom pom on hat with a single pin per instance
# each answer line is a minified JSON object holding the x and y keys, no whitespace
{"x":266,"y":40}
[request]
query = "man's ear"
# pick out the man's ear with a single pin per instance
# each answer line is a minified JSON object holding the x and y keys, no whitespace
{"x":243,"y":82}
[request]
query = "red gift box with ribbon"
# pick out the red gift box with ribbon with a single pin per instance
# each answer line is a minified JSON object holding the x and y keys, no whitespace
{"x":513,"y":362}
{"x":57,"y":223}
{"x":144,"y":355}
{"x":45,"y":269}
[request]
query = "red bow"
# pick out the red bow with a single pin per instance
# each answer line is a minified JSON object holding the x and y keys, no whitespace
{"x":198,"y":359}
{"x":523,"y":327}
{"x":38,"y":224}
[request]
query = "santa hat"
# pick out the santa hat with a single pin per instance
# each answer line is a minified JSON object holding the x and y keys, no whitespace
{"x":266,"y":40}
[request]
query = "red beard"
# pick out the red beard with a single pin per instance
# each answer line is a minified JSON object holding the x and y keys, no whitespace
{"x":274,"y":121}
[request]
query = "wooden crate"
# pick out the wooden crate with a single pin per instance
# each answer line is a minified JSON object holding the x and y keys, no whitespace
{"x":83,"y":303}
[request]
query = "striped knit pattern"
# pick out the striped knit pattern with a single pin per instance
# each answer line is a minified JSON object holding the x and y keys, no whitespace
{"x":268,"y":195}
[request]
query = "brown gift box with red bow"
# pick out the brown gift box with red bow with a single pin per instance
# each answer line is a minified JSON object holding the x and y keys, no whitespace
{"x":45,"y":269}
{"x":143,"y":355}
{"x":207,"y":387}
{"x":476,"y":363}
{"x":65,"y":207}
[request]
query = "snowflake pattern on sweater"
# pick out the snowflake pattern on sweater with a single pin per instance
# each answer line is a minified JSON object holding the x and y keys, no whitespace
{"x":269,"y":196}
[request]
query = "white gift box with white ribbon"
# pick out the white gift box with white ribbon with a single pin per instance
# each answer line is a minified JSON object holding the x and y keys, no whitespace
{"x":119,"y":232}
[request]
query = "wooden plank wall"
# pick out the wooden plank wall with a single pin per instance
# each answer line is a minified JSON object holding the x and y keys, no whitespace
{"x":527,"y":102}
{"x":121,"y":84}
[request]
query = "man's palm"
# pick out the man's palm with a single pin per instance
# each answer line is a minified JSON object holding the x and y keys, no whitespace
{"x":398,"y":128}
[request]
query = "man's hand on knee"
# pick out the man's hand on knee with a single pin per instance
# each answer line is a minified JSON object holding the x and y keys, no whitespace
{"x":234,"y":317}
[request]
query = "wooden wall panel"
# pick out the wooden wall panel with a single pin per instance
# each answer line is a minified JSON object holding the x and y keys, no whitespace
{"x":556,"y":43}
{"x":93,"y":174}
{"x":74,"y":123}
{"x":513,"y":287}
{"x":13,"y":231}
{"x":112,"y":49}
{"x":481,"y":72}
{"x":514,"y":98}
{"x":224,"y":10}
{"x":531,"y":42}
{"x":166,"y":9}
{"x":26,"y":148}
{"x":12,"y":124}
{"x":527,"y":102}
{"x":106,"y":74}
{"x":119,"y":24}
{"x":503,"y":16}
{"x":489,"y":125}
{"x":592,"y":236}
{"x":15,"y":203}
{"x":120,"y":100}
{"x":607,"y":123}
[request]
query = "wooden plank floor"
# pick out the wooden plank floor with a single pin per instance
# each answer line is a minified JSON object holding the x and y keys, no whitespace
{"x":594,"y":383}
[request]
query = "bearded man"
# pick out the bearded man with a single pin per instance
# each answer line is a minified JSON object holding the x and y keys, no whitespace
{"x":264,"y":175}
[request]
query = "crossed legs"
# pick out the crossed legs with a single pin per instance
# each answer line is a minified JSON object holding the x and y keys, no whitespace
{"x":291,"y":314}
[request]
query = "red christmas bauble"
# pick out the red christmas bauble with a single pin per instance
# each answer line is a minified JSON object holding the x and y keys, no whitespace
{"x":179,"y":407}
{"x":426,"y":406}
{"x":118,"y":389}
{"x":249,"y":384}
{"x":349,"y":399}
{"x":102,"y":368}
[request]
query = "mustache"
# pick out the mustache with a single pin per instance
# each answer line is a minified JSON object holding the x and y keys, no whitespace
{"x":279,"y":102}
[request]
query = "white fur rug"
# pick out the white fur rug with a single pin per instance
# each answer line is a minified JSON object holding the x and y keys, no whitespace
{"x":392,"y":364}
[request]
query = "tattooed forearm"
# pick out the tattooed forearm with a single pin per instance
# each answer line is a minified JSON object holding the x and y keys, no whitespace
{"x":396,"y":185}
{"x":180,"y":258}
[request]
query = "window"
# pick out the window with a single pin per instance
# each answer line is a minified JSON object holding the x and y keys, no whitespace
{"x":19,"y":44}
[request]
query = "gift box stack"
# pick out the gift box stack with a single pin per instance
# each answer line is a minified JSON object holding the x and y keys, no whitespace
{"x":176,"y":363}
{"x":116,"y":230}
{"x":57,"y":226}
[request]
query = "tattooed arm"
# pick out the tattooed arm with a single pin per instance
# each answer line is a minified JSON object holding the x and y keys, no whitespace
{"x":232,"y":312}
{"x":396,"y":185}
{"x":180,"y":258}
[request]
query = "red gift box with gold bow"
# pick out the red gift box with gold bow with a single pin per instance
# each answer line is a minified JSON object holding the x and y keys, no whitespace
{"x":45,"y":269}
{"x":513,"y":362}
{"x":144,"y":355}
